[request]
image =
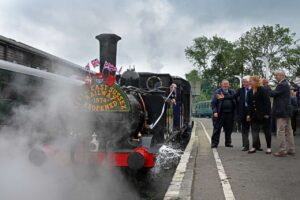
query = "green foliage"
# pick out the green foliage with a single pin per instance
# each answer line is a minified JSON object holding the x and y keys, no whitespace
{"x":273,"y":43}
{"x":216,"y":58}
{"x":192,"y":76}
{"x":297,"y":72}
{"x":292,"y":62}
{"x":199,"y":53}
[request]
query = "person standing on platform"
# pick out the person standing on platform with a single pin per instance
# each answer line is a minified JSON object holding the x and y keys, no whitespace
{"x":223,"y":114}
{"x":259,"y":114}
{"x":241,"y":97}
{"x":272,"y":119}
{"x":282,"y":110}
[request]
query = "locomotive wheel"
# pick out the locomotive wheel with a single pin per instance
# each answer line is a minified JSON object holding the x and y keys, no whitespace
{"x":37,"y":157}
{"x":136,"y":161}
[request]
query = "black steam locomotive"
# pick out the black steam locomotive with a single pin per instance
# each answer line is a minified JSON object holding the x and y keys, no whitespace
{"x":128,"y":119}
{"x":142,"y":111}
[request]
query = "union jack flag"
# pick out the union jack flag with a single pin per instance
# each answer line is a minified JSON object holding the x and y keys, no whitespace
{"x":109,"y":67}
{"x":87,"y":67}
{"x":88,"y":80}
{"x":95,"y":62}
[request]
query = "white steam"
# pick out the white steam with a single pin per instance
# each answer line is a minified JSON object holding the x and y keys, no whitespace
{"x":49,"y":119}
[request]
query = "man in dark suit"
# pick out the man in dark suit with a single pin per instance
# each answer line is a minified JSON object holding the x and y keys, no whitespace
{"x":223,"y":114}
{"x":242,"y":106}
{"x":282,"y":110}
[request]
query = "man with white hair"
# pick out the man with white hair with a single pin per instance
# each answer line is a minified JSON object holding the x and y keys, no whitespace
{"x":282,"y":111}
{"x":242,"y":106}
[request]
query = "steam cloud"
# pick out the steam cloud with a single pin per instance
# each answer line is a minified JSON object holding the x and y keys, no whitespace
{"x":50,"y":119}
{"x":154,"y":19}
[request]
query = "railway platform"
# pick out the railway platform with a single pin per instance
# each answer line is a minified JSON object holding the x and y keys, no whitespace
{"x":229,"y":173}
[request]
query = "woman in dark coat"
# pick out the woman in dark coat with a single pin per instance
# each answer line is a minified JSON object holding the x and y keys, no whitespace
{"x":259,"y":110}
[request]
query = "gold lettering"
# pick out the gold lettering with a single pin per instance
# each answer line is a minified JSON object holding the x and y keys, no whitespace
{"x":103,"y":93}
{"x":108,"y":95}
{"x":123,"y":107}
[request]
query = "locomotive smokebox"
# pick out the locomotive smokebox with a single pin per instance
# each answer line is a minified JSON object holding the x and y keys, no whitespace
{"x":108,"y":48}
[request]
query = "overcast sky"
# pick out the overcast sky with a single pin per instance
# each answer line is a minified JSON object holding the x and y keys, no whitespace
{"x":154,"y":32}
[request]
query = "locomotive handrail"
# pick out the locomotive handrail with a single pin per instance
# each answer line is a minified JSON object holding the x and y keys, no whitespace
{"x":162,"y":111}
{"x":134,"y":89}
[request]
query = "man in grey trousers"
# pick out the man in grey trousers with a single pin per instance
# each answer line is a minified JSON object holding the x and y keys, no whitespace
{"x":282,"y":111}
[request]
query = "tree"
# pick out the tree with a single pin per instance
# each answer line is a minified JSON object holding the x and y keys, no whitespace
{"x":272,"y":43}
{"x":292,"y":62}
{"x":216,"y":59}
{"x":199,"y":52}
{"x":222,"y":61}
{"x":192,"y":76}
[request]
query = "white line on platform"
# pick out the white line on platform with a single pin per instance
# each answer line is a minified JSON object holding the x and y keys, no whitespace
{"x":223,"y":177}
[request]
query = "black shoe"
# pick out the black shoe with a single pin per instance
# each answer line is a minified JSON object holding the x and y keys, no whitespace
{"x":228,"y":145}
{"x":291,"y":153}
{"x":245,"y":149}
{"x":214,"y":146}
{"x":259,"y":149}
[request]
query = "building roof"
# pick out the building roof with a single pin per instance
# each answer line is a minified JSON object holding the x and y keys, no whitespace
{"x":38,"y":52}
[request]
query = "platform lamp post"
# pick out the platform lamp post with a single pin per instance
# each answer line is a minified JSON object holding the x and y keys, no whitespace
{"x":264,"y":59}
{"x":240,"y":79}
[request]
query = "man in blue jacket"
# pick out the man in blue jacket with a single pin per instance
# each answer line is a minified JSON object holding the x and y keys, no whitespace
{"x":282,"y":111}
{"x":223,"y":114}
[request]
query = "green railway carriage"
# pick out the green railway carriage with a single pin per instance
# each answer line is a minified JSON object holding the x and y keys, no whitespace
{"x":203,"y":109}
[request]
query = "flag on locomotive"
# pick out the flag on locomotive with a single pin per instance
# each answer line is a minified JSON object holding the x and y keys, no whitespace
{"x":108,"y":74}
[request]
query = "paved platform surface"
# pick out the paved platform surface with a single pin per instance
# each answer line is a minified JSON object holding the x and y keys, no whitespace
{"x":229,"y":173}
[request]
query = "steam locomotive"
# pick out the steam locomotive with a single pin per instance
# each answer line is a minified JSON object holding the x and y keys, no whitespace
{"x":128,"y":119}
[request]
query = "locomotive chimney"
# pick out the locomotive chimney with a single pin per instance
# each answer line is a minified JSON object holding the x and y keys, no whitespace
{"x":108,"y":48}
